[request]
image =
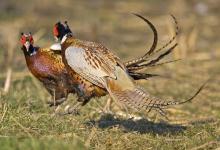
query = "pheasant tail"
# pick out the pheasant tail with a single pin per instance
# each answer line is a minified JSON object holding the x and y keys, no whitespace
{"x":124,"y":91}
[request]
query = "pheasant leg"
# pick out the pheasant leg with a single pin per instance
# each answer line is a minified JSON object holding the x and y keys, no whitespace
{"x":107,"y":107}
{"x":74,"y":110}
{"x":56,"y":102}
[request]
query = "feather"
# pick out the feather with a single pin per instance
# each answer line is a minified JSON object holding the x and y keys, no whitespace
{"x":55,"y":47}
{"x":90,"y":64}
{"x":101,"y":67}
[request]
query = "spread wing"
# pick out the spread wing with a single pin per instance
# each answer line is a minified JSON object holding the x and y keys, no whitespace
{"x":92,"y":64}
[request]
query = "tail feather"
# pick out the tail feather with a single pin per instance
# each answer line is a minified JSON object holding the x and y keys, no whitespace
{"x":152,"y":62}
{"x":138,"y":99}
{"x":142,"y":59}
{"x":141,"y":76}
{"x":125,"y":92}
{"x":174,"y":37}
{"x":144,"y":66}
{"x":153,"y":46}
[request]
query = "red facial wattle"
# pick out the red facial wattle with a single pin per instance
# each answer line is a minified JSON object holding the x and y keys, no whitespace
{"x":23,"y":39}
{"x":55,"y":31}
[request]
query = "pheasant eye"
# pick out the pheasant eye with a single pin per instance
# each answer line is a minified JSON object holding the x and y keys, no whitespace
{"x":23,"y":40}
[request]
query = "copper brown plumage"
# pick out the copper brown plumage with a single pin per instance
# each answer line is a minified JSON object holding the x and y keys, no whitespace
{"x":104,"y":73}
{"x":46,"y":65}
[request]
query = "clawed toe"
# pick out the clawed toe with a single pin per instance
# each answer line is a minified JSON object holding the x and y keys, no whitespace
{"x":71,"y":110}
{"x":68,"y":110}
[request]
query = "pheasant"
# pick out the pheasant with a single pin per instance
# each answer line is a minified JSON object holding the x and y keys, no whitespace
{"x":46,"y":65}
{"x":97,"y":71}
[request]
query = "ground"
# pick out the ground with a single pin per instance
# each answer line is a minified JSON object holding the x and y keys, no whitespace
{"x":26,"y":121}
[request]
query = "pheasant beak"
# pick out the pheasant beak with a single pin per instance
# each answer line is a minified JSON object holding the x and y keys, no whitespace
{"x":27,"y":45}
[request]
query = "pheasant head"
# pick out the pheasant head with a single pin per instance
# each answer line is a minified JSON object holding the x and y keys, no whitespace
{"x":60,"y":30}
{"x":27,"y":42}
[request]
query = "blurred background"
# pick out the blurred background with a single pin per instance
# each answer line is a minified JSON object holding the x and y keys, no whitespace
{"x":111,"y":23}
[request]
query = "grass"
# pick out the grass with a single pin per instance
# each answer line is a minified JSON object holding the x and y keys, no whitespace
{"x":26,"y":122}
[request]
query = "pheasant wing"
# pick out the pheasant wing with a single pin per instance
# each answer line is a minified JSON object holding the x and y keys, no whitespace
{"x":91,"y":64}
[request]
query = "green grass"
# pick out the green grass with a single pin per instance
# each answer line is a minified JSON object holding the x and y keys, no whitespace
{"x":26,"y":122}
{"x":36,"y":144}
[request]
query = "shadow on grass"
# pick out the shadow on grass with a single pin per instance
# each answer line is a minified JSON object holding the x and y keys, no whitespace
{"x":141,"y":126}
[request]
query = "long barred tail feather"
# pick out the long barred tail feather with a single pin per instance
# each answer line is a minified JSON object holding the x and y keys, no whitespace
{"x":166,"y":62}
{"x":141,"y":67}
{"x":161,"y":56}
{"x":142,"y":59}
{"x":140,"y":76}
{"x":174,"y":36}
{"x":138,"y":99}
{"x":188,"y":100}
{"x":154,"y":44}
{"x":152,"y":62}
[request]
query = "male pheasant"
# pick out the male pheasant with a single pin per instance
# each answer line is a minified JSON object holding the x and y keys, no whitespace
{"x":47,"y":66}
{"x":96,"y":71}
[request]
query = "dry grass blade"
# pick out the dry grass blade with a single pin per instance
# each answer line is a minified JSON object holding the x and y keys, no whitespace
{"x":22,"y":127}
{"x":7,"y":81}
{"x":205,"y":145}
{"x":5,"y":109}
{"x":9,"y":40}
{"x":90,"y":136}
